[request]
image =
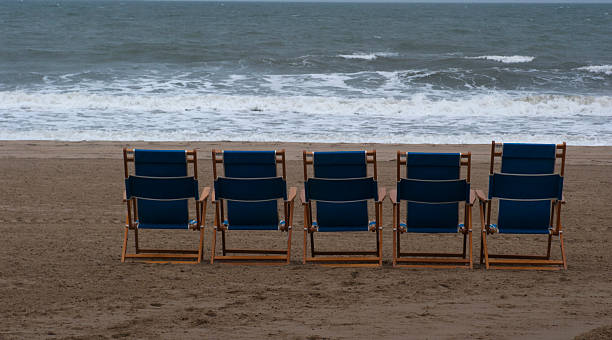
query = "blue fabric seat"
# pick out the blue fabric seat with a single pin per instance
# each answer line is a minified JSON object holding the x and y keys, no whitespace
{"x":528,"y":211}
{"x":250,"y":189}
{"x":527,"y":191}
{"x":157,"y":195}
{"x":339,"y":192}
{"x":431,"y":192}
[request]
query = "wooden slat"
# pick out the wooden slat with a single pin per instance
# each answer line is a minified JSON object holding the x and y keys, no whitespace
{"x":418,"y":260}
{"x":166,"y":251}
{"x":518,"y":256}
{"x":341,"y":259}
{"x":518,"y":261}
{"x":525,"y":268}
{"x":432,"y":254}
{"x":178,"y":256}
{"x":430,"y":266}
{"x":256,"y":251}
{"x":251,"y":258}
{"x":357,"y":252}
{"x":351,"y":265}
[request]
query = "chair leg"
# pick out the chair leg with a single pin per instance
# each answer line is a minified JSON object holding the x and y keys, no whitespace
{"x":214,"y":245}
{"x":470,"y":251}
{"x":136,"y":240}
{"x":125,"y":240}
{"x":289,"y":246}
{"x":485,"y":249}
{"x":312,"y":246}
{"x":305,"y":246}
{"x":223,"y":241}
{"x":201,"y":245}
{"x":394,"y":235}
{"x":464,"y":244}
{"x":549,"y":244}
{"x":562,"y":251}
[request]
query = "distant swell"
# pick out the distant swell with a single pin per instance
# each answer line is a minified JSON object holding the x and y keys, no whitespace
{"x":367,"y":56}
{"x":606,"y":69}
{"x":505,"y":59}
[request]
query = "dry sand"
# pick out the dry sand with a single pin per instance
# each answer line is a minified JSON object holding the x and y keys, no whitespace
{"x":61,"y":226}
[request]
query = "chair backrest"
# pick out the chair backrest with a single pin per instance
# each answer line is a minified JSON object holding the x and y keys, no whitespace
{"x":341,"y":187}
{"x":433,"y":188}
{"x":526,"y":186}
{"x":161,"y":184}
{"x":250,"y":186}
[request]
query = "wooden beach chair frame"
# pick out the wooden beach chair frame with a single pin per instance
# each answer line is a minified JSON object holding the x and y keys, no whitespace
{"x":360,"y":258}
{"x":522,"y":261}
{"x":164,"y":255}
{"x":263,"y":256}
{"x":432,"y":259}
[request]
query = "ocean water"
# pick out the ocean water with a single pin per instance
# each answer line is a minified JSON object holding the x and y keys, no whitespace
{"x":319,"y":72}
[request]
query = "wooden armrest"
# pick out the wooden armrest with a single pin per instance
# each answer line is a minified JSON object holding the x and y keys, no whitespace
{"x":303,"y":197}
{"x":124,"y":197}
{"x":382,"y":194}
{"x":292,"y":193}
{"x":204,"y":194}
{"x":562,"y":198}
{"x":481,"y":196}
{"x":393,"y":196}
{"x":472,"y":197}
{"x":212,"y":196}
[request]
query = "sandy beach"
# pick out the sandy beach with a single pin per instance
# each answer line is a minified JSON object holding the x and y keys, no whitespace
{"x":61,"y":277}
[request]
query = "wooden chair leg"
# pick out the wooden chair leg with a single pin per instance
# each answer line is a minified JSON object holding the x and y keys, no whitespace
{"x":395,"y":228}
{"x":470,"y":251}
{"x":214,"y":244}
{"x":549,"y":245}
{"x":464,"y":245}
{"x":563,"y":251}
{"x":312,"y":246}
{"x":125,"y":240}
{"x":201,"y":245}
{"x":223,"y":242}
{"x":289,"y":246}
{"x":485,"y":249}
{"x":136,"y":240}
{"x":305,"y":246}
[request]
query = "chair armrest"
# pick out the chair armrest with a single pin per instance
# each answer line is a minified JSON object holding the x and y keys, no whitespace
{"x":562,"y":198}
{"x":303,"y":197}
{"x":204,"y":194}
{"x":124,"y":197}
{"x":382,"y":194}
{"x":212,"y":196}
{"x":292,"y":193}
{"x":393,"y":196}
{"x":481,"y":196}
{"x":472,"y":197}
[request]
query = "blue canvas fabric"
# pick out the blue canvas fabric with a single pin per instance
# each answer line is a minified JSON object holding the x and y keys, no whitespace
{"x":341,"y":190}
{"x":525,"y":217}
{"x":341,"y":228}
{"x":432,"y":191}
{"x":341,"y":165}
{"x":251,"y":215}
{"x":161,"y":163}
{"x":525,"y":187}
{"x":518,"y":158}
{"x":250,"y":189}
{"x":427,"y":217}
{"x":432,"y":230}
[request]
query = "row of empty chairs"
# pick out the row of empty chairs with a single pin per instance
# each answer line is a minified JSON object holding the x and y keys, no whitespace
{"x":339,"y":195}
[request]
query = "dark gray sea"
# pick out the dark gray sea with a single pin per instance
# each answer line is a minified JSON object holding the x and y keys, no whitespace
{"x":353,"y":72}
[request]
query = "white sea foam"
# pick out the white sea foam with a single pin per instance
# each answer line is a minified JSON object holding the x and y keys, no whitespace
{"x":505,"y":59}
{"x":606,"y":69}
{"x":419,"y":118}
{"x":368,"y":56}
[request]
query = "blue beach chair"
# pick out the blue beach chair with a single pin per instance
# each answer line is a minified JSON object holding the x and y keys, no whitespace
{"x":157,"y":195}
{"x":249,"y":190}
{"x":529,"y":194}
{"x":340,"y":191}
{"x":433,"y":191}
